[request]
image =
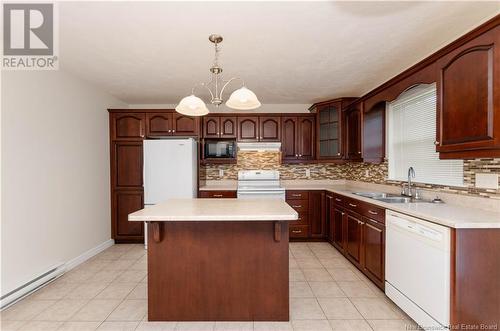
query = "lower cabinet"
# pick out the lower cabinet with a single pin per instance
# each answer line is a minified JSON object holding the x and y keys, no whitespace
{"x":124,"y":203}
{"x":374,"y":250}
{"x":354,"y":238}
{"x":317,"y":223}
{"x":357,"y":230}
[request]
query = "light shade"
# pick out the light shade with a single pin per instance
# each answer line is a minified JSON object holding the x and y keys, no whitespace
{"x":243,"y":99}
{"x":192,"y":106}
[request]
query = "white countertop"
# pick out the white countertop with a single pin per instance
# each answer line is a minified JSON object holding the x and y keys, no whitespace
{"x":457,"y":215}
{"x":217,"y":210}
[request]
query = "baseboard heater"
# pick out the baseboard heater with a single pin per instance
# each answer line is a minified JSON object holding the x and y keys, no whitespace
{"x":31,"y":286}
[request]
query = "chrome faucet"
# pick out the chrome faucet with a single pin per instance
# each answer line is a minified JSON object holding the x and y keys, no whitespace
{"x":408,"y":189}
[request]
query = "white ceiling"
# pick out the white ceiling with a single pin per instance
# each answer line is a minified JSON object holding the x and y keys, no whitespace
{"x":287,"y":52}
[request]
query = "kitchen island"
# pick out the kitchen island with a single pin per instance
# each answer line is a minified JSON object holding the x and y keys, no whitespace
{"x":217,"y":259}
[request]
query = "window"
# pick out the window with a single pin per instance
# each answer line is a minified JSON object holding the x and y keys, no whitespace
{"x":410,"y":140}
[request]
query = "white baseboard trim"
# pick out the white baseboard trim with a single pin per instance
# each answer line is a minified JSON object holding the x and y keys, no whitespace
{"x":50,"y":275}
{"x":88,"y":254}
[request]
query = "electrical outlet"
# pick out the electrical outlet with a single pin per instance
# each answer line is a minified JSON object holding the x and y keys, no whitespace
{"x":221,"y":173}
{"x":308,"y":173}
{"x":487,"y":181}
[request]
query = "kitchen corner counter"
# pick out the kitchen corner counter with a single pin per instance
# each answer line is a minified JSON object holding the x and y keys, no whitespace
{"x":217,"y":210}
{"x":450,"y":215}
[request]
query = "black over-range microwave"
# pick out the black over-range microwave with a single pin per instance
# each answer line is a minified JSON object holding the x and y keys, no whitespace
{"x":220,"y":149}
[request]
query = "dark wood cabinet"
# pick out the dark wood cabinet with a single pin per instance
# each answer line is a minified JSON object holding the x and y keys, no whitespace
{"x":124,"y":203}
{"x":373,"y":150}
{"x":317,"y":219}
{"x":330,"y":131}
{"x":337,"y":227}
{"x":353,"y":134}
{"x":270,"y":128}
{"x":248,"y":128}
{"x":354,"y":238}
{"x":217,"y":194}
{"x":183,"y":125}
{"x":468,"y":99}
{"x":298,"y":138}
{"x":374,"y":250}
{"x":126,"y":162}
{"x":129,"y":126}
{"x":171,"y":124}
{"x":219,"y":127}
{"x":158,"y":124}
{"x":299,"y":200}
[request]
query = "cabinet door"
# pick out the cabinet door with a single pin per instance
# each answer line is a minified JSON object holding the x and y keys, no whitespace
{"x":248,"y":128}
{"x":354,"y":234}
{"x":306,"y":137}
{"x":330,"y":131}
{"x":317,"y":226}
{"x":289,"y":138}
{"x":269,"y":128}
{"x":128,"y":126}
{"x":228,"y":127}
{"x":124,"y":203}
{"x":183,"y":125}
{"x":159,"y":124}
{"x":338,"y":216}
{"x":211,"y":126}
{"x":374,"y":249}
{"x":353,"y":134}
{"x":374,"y":133}
{"x":126,"y":168}
{"x":468,"y":97}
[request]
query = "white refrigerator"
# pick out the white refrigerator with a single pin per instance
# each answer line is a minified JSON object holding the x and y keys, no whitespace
{"x":170,"y":170}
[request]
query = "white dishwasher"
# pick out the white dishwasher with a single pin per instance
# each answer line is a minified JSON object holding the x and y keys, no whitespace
{"x":417,"y":269}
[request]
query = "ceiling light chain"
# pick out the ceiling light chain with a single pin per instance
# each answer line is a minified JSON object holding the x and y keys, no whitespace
{"x":241,"y":99}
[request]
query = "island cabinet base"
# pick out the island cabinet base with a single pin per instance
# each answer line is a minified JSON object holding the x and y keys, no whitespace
{"x":218,"y":271}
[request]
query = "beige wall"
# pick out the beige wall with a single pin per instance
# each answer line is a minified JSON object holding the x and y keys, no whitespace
{"x":265,"y":108}
{"x":55,"y":172}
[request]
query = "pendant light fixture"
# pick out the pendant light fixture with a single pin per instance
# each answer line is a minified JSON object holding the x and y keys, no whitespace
{"x":240,"y":99}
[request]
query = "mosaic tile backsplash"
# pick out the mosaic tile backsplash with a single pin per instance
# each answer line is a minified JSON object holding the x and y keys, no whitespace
{"x":365,"y":172}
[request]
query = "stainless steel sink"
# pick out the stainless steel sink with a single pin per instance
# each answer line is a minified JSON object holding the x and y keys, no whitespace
{"x":394,"y":199}
{"x":387,"y":197}
{"x":372,"y":195}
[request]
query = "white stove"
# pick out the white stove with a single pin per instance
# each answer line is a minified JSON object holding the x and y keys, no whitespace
{"x":260,"y":184}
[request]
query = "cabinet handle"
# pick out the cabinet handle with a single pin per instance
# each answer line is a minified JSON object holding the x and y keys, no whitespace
{"x":352,"y":205}
{"x":337,"y":199}
{"x":376,"y":222}
{"x":217,"y":195}
{"x":173,"y":130}
{"x":359,"y":152}
{"x":299,"y":206}
{"x":297,"y":195}
{"x":372,"y":212}
{"x":338,"y":153}
{"x":296,"y":155}
{"x":169,"y":130}
{"x":296,"y":231}
{"x":343,"y":213}
{"x":436,"y":142}
{"x":359,"y":222}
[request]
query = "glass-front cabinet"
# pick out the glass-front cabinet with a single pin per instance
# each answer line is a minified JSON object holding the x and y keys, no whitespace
{"x":329,"y":131}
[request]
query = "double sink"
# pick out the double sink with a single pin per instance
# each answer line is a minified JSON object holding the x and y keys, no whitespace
{"x":388,"y":198}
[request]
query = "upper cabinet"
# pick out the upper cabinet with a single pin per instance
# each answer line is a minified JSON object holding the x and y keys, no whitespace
{"x":171,"y":124}
{"x":373,"y":136}
{"x":330,"y":128}
{"x":353,"y":133}
{"x":219,"y":127}
{"x":298,"y":138}
{"x":259,"y":128}
{"x":127,"y":126}
{"x":468,"y":99}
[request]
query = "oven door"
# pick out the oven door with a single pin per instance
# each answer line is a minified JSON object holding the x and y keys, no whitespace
{"x":261,"y":194}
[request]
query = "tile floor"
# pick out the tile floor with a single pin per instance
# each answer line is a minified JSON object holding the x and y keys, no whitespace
{"x":108,"y":292}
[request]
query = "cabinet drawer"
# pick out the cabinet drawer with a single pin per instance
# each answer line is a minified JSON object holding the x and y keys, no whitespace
{"x":303,"y":219}
{"x":353,"y":205}
{"x":301,"y":206}
{"x":297,"y":195}
{"x":217,"y":194}
{"x":298,"y":231}
{"x":339,"y":200}
{"x":374,"y":212}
